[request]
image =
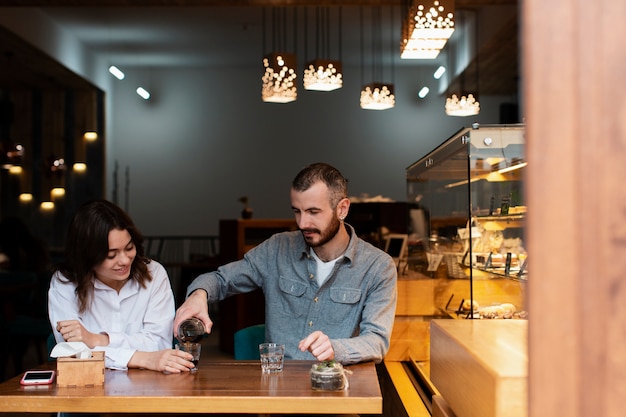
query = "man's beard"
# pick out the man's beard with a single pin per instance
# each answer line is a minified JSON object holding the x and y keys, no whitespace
{"x":325,"y":236}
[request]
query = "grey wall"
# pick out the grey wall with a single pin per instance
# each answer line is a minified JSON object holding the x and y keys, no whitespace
{"x":206,"y":138}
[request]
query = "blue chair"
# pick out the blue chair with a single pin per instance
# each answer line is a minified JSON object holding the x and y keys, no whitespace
{"x":247,"y":342}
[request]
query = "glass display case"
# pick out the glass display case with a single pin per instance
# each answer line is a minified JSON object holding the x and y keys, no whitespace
{"x":466,"y":222}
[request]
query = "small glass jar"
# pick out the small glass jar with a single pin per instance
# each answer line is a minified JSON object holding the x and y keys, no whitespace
{"x":328,"y":376}
{"x":191,"y":330}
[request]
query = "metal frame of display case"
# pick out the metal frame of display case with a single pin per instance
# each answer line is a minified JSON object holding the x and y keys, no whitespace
{"x":472,"y":187}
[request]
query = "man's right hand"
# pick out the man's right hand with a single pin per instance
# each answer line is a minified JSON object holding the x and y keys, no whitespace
{"x":194,"y":306}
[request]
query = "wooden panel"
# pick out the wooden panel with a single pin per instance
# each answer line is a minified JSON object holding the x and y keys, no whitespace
{"x":441,"y":407}
{"x":576,"y":354}
{"x":480,"y":366}
{"x":415,"y":297}
{"x":410,"y":399}
{"x":410,"y":339}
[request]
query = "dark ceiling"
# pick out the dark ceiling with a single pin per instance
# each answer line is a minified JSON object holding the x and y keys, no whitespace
{"x":23,"y":66}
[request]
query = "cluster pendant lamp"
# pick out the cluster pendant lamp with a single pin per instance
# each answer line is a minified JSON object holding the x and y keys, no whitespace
{"x":464,"y":103}
{"x":279,"y":77}
{"x":323,"y":73}
{"x":426,"y":27}
{"x":376,"y":95}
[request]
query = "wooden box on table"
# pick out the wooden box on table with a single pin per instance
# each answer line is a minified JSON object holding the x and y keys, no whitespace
{"x":74,"y":372}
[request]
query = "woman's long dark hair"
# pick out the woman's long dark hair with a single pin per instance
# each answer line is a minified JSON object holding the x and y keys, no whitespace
{"x":87,"y":246}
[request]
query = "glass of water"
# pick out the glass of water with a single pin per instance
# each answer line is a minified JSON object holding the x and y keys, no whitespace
{"x":193,"y":348}
{"x":272,"y":357}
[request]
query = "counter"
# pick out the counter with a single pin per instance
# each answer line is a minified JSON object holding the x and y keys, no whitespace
{"x":480,"y":367}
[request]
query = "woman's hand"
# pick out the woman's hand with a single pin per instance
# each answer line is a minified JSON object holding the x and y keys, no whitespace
{"x":169,"y":360}
{"x":74,"y":331}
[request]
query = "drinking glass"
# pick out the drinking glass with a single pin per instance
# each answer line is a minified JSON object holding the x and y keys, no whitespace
{"x":193,"y":348}
{"x":272,"y":357}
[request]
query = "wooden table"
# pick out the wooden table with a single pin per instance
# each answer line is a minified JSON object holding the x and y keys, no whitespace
{"x":217,"y":387}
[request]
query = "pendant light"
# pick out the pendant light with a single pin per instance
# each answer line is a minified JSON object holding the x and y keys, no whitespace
{"x":279,"y":77}
{"x":323,"y":73}
{"x":376,"y":95}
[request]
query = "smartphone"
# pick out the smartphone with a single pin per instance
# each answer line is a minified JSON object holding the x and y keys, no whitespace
{"x":38,"y":377}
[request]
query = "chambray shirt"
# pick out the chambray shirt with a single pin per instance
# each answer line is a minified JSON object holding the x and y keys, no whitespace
{"x":355,"y":307}
{"x":135,"y":319}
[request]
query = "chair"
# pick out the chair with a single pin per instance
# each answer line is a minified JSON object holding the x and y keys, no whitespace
{"x":247,"y":342}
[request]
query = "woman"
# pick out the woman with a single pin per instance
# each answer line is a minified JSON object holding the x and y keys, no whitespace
{"x":108,"y":295}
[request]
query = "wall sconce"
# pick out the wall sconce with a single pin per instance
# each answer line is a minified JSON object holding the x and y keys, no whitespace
{"x":15,"y":170}
{"x":26,"y":197}
{"x":57,"y":192}
{"x":79,"y":167}
{"x":46,"y":206}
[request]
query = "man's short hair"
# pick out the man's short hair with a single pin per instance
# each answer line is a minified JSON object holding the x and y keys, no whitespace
{"x":329,"y":175}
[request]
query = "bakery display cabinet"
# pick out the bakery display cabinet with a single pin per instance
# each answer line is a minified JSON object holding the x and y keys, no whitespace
{"x":464,"y":274}
{"x":470,"y":190}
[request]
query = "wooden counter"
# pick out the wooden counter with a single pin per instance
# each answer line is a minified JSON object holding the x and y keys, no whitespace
{"x":217,"y":387}
{"x":480,"y":367}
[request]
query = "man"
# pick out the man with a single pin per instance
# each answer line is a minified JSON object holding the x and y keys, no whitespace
{"x":327,"y":292}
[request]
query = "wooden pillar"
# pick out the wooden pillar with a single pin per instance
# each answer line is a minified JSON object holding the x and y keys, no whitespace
{"x":574,"y":61}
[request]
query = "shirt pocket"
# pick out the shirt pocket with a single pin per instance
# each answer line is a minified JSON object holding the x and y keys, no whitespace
{"x":292,"y":302}
{"x":345,"y":302}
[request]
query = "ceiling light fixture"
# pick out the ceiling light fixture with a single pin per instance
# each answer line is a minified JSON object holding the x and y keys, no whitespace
{"x":439,"y":72}
{"x":462,"y":106}
{"x":376,"y":95}
{"x":423,"y":92}
{"x":323,"y":74}
{"x":117,"y":73}
{"x":279,"y":77}
{"x":426,"y":28}
{"x":143,"y":93}
{"x":464,"y":103}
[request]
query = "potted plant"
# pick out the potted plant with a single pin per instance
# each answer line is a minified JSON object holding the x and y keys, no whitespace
{"x":246,"y":213}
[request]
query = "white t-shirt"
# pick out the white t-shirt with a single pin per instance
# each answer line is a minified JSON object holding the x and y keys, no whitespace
{"x":323,"y":268}
{"x":136,"y":319}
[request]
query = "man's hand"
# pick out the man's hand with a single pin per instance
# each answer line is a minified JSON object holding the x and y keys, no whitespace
{"x":194,"y":306}
{"x":319,"y":345}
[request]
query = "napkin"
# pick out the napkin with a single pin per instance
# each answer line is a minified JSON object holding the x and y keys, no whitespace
{"x":66,"y":349}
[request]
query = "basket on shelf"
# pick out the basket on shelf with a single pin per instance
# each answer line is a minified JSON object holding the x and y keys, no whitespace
{"x":453,"y":264}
